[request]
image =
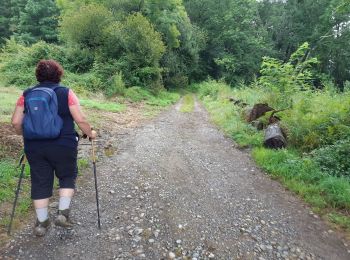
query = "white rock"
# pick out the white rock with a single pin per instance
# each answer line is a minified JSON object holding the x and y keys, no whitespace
{"x":138,"y":231}
{"x":172,"y":255}
{"x":139,"y":251}
{"x":137,"y":239}
{"x":211,"y":255}
{"x":156,"y":233}
{"x":269,"y":247}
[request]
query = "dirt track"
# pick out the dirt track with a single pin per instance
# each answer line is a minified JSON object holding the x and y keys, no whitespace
{"x":177,"y":187}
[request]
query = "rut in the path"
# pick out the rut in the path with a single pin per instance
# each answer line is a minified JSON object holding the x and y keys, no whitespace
{"x":177,"y":188}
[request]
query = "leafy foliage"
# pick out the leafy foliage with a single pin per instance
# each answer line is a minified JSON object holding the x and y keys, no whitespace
{"x":38,"y":21}
{"x":86,"y":27}
{"x":333,"y":159}
{"x":17,"y":58}
{"x":324,"y":24}
{"x":282,"y":80}
{"x":143,"y":49}
{"x":236,"y":38}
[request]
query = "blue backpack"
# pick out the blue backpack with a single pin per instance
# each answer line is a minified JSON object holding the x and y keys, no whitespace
{"x":41,"y":119}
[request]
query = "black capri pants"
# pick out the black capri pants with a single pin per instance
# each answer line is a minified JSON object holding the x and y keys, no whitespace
{"x":50,"y":160}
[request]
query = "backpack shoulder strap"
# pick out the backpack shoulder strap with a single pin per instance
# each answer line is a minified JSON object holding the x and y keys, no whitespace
{"x":25,"y":92}
{"x":57,"y":87}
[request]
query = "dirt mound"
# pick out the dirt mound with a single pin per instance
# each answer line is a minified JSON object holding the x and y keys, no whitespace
{"x":10,"y":143}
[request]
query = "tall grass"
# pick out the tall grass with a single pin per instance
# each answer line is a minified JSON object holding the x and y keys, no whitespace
{"x":187,"y":103}
{"x":103,"y":105}
{"x":8,"y":98}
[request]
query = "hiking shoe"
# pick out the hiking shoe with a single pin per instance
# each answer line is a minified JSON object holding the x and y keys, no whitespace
{"x":63,"y":219}
{"x":41,"y":228}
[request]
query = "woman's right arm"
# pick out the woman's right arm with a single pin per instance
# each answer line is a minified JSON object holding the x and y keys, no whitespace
{"x":81,"y":121}
{"x":78,"y":115}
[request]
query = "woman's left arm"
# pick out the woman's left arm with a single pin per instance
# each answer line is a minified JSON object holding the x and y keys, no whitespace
{"x":17,"y":119}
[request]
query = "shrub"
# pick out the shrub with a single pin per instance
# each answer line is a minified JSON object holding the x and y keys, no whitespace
{"x":334,"y":159}
{"x":281,"y":80}
{"x":163,"y":99}
{"x":86,"y":27}
{"x":79,"y":60}
{"x":137,"y":94}
{"x":177,"y":81}
{"x":317,"y":119}
{"x":18,"y":61}
{"x":117,"y":86}
{"x":211,"y":88}
{"x":83,"y":82}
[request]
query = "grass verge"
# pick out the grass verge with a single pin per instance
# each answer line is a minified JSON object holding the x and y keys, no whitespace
{"x":187,"y":104}
{"x":8,"y":98}
{"x":102,"y":105}
{"x":9,"y":176}
{"x":328,"y":195}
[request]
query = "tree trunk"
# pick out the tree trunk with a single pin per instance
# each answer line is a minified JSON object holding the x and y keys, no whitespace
{"x":274,"y":137}
{"x":258,"y":111}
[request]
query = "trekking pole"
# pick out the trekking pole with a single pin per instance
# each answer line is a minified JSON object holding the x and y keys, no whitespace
{"x":94,"y":165}
{"x":22,"y":163}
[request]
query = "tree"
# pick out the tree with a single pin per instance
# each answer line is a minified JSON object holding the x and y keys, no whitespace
{"x":324,"y":24}
{"x":9,"y":17}
{"x":86,"y":27}
{"x":38,"y":21}
{"x":236,"y":38}
{"x":183,"y":40}
{"x":5,"y":15}
{"x":142,"y":51}
{"x":333,"y":37}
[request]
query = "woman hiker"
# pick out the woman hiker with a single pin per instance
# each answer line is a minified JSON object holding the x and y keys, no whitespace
{"x":45,"y":116}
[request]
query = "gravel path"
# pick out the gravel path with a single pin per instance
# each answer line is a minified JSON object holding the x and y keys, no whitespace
{"x":177,"y":188}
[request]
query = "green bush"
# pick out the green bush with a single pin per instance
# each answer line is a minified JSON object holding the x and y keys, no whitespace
{"x":177,"y":81}
{"x":18,"y":61}
{"x":317,"y":119}
{"x":281,"y":80}
{"x":79,"y":60}
{"x":304,"y":177}
{"x":163,"y":99}
{"x":83,"y":82}
{"x":334,"y":159}
{"x":137,"y":94}
{"x":211,"y":88}
{"x":117,"y":86}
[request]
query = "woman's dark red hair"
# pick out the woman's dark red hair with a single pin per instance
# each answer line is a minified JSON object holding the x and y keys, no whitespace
{"x":49,"y":70}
